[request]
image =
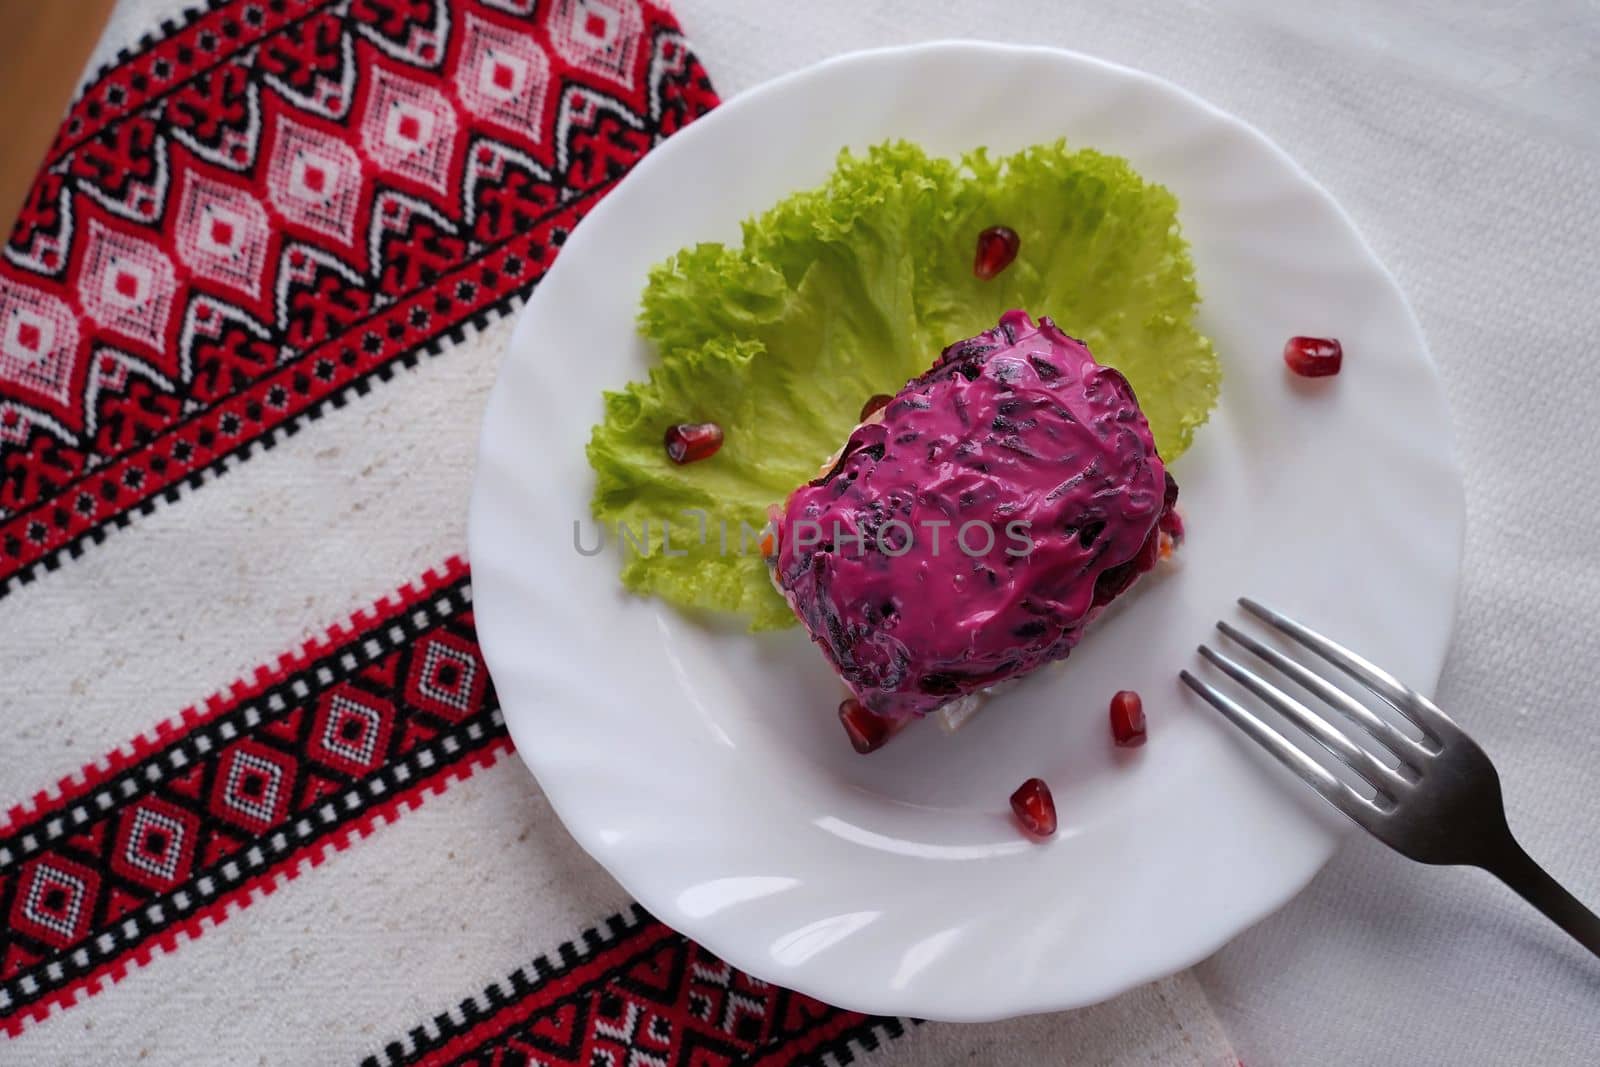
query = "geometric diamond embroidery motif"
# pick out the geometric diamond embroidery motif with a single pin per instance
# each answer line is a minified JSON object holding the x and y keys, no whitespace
{"x":155,"y":844}
{"x":352,"y":729}
{"x":502,"y":76}
{"x":599,"y":36}
{"x":446,"y":678}
{"x":223,"y":233}
{"x":54,"y":900}
{"x":253,"y":787}
{"x":128,"y":286}
{"x":38,"y":343}
{"x":314,"y":180}
{"x":409,"y":130}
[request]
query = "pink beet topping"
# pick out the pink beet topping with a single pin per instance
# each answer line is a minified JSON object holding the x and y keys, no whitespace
{"x":1018,"y":431}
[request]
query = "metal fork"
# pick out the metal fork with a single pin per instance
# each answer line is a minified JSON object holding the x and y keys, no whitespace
{"x":1440,"y":804}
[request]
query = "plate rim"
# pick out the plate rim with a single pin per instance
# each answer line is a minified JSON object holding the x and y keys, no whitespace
{"x":888,"y":1001}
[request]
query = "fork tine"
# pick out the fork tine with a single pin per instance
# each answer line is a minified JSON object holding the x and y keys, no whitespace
{"x":1310,"y":771}
{"x":1389,"y":784}
{"x":1402,"y":746}
{"x":1407,"y":701}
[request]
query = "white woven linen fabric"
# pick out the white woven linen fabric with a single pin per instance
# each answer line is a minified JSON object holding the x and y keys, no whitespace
{"x":1465,"y":141}
{"x":437,"y":903}
{"x":1464,"y":138}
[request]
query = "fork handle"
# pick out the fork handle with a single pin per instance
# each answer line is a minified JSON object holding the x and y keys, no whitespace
{"x":1518,"y":870}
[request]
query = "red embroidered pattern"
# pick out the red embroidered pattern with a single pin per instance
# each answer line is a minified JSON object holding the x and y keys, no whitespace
{"x":181,"y":827}
{"x":259,"y":212}
{"x":239,"y":223}
{"x":634,"y":992}
{"x":145,"y":847}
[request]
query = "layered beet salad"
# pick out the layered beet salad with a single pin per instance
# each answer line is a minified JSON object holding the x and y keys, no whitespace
{"x":972,"y":524}
{"x":971,"y":527}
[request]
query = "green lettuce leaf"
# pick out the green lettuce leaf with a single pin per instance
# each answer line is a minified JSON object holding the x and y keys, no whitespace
{"x":853,"y":288}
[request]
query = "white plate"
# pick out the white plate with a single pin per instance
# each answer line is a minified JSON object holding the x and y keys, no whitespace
{"x":706,"y":770}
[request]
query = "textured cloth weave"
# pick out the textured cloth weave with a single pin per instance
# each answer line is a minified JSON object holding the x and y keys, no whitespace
{"x":247,"y":323}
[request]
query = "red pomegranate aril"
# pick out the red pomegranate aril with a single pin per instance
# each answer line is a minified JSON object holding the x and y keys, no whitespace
{"x":1127,"y":719}
{"x":1313,"y":357}
{"x":997,"y":247}
{"x":866,"y":729}
{"x":691,"y":441}
{"x":875,"y":402}
{"x":1034,"y":807}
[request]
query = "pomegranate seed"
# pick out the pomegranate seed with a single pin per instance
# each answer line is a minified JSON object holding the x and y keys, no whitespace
{"x":1127,"y":719}
{"x":691,"y":441}
{"x":1313,"y":357}
{"x":997,"y":247}
{"x":1171,"y":524}
{"x":866,"y":729}
{"x":875,"y":402}
{"x":1035,"y":808}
